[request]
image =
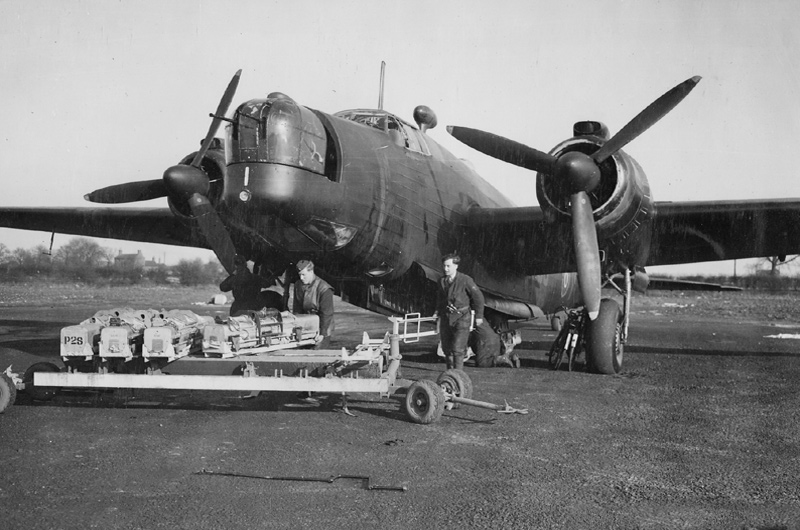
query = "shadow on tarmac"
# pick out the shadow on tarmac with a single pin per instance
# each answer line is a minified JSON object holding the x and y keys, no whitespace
{"x":36,"y":337}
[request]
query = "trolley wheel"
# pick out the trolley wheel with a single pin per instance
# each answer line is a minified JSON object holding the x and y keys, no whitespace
{"x":456,"y":382}
{"x":40,"y":393}
{"x":424,"y":402}
{"x":8,"y":392}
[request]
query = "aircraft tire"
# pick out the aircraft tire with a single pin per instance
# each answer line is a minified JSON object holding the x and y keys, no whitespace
{"x":603,"y":344}
{"x":456,"y":382}
{"x":40,"y":393}
{"x":424,"y":402}
{"x":8,"y":392}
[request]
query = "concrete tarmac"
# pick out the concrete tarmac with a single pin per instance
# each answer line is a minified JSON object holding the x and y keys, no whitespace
{"x":699,"y":431}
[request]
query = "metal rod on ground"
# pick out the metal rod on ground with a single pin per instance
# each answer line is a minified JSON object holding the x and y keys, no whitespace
{"x":327,"y":480}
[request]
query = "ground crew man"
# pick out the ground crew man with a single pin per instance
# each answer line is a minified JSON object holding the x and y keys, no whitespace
{"x":313,"y":295}
{"x":456,"y":297}
{"x":246,"y":288}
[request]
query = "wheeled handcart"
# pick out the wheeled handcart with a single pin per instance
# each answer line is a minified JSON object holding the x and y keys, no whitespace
{"x":371,"y":367}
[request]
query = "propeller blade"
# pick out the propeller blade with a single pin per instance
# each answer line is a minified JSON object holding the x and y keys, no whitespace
{"x":214,"y":231}
{"x":128,"y":192}
{"x":587,"y":255}
{"x":504,"y":149}
{"x":222,"y":109}
{"x":645,"y":119}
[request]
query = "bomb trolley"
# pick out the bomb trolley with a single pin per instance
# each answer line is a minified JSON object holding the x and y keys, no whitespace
{"x":371,"y":368}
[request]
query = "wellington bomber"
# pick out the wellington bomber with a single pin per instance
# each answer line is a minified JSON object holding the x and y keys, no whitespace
{"x":376,"y":203}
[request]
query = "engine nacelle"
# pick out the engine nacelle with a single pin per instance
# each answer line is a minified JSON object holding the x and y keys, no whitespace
{"x":215,"y":166}
{"x":621,"y":203}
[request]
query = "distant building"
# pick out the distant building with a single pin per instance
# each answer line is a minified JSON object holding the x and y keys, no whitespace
{"x":134,"y":262}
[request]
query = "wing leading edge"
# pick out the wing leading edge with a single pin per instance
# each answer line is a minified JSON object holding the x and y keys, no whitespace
{"x":522,"y":241}
{"x":150,"y":225}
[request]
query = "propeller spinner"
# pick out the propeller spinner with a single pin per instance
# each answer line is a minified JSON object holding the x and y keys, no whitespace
{"x":185,"y":184}
{"x":582,"y":173}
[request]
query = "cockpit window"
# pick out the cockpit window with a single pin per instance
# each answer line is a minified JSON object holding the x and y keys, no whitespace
{"x":376,"y":120}
{"x":388,"y":123}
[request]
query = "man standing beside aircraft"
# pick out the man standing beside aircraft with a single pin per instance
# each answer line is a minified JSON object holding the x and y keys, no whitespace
{"x":313,"y":295}
{"x":456,"y":296}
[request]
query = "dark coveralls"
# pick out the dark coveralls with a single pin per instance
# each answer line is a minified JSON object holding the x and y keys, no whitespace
{"x":246,"y":288}
{"x":316,"y":298}
{"x":454,"y":300}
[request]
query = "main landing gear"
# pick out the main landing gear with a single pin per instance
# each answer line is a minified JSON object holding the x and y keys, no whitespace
{"x":607,"y":334}
{"x":602,"y":339}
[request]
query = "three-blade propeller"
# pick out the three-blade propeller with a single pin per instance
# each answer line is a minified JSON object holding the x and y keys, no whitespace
{"x":582,"y":173}
{"x":185,"y":184}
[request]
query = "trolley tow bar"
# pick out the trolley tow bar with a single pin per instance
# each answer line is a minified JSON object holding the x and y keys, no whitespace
{"x":502,"y":409}
{"x":329,"y":480}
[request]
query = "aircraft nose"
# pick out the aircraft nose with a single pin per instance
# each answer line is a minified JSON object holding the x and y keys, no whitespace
{"x":278,"y":150}
{"x":279,"y":131}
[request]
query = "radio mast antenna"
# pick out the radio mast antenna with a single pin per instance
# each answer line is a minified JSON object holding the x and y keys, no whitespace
{"x":380,"y":94}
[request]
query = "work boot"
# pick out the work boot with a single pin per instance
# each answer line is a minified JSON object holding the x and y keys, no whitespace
{"x":503,"y":361}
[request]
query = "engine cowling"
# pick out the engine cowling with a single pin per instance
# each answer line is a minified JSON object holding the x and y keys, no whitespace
{"x":621,"y":203}
{"x":214,"y":165}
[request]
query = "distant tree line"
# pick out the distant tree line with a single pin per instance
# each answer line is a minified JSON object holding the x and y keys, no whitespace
{"x":84,"y":260}
{"x":760,"y":282}
{"x":776,"y":273}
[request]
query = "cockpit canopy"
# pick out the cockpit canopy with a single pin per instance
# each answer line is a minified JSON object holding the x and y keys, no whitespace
{"x":404,"y":134}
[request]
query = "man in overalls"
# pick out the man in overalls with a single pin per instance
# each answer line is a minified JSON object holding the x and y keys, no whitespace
{"x":457,"y":296}
{"x":313,"y":295}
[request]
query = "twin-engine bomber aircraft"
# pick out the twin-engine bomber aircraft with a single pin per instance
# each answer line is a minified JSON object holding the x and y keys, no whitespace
{"x":376,"y":203}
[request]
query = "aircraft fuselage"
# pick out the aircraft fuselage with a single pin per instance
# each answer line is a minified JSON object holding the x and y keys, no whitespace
{"x":369,"y":197}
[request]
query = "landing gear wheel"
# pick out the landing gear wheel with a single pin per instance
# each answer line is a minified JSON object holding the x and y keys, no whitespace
{"x":8,"y":392}
{"x":603,"y":340}
{"x":424,"y":402}
{"x":456,"y":382}
{"x":40,"y":393}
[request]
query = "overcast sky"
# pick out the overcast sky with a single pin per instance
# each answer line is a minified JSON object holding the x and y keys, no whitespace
{"x":97,"y":92}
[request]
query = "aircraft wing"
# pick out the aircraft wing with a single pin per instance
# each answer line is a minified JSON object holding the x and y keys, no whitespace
{"x":151,"y":225}
{"x":521,"y":239}
{"x":673,"y":284}
{"x":670,"y":284}
{"x":688,"y":232}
